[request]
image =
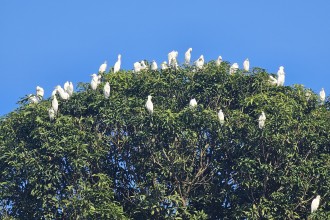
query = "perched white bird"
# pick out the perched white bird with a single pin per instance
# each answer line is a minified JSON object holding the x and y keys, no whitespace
{"x":322,"y":95}
{"x":193,"y":103}
{"x":233,"y":68}
{"x":272,"y":80}
{"x":218,"y":61}
{"x":54,"y":92}
{"x":187,"y":56}
{"x":200,"y":62}
{"x":221,"y":117}
{"x":150,"y":105}
{"x":280,"y":76}
{"x":33,"y":99}
{"x":40,"y":92}
{"x":94,"y":81}
{"x":116,"y":67}
{"x":63,"y":94}
{"x":106,"y":90}
{"x":70,"y":89}
{"x":262,"y":119}
{"x":154,"y":65}
{"x":103,"y":67}
{"x":164,"y":65}
{"x":51,"y":113}
{"x":315,"y":203}
{"x":143,"y":65}
{"x":66,"y":86}
{"x":55,"y":104}
{"x":246,"y":65}
{"x":172,"y":58}
{"x":137,"y":67}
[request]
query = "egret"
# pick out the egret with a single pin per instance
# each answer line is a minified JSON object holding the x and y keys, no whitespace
{"x":116,"y":67}
{"x":137,"y":67}
{"x":218,"y":61}
{"x":70,"y":89}
{"x":280,"y":76}
{"x":187,"y":56}
{"x":193,"y":103}
{"x":63,"y":94}
{"x":221,"y":117}
{"x":55,"y":104}
{"x":33,"y":99}
{"x":150,"y":105}
{"x":40,"y":92}
{"x":51,"y":113}
{"x":322,"y":95}
{"x":106,"y":90}
{"x":172,"y":57}
{"x":233,"y":68}
{"x":54,"y":92}
{"x":154,"y":65}
{"x":315,"y":203}
{"x":66,"y":86}
{"x":164,"y":65}
{"x":246,"y":65}
{"x":143,"y":65}
{"x":103,"y":67}
{"x":200,"y":62}
{"x":262,"y":119}
{"x":272,"y":80}
{"x":94,"y":81}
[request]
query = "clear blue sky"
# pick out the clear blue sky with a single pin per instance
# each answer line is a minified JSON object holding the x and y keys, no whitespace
{"x":46,"y":43}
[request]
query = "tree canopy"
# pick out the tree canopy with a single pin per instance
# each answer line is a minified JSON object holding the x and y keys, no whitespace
{"x":111,"y":159}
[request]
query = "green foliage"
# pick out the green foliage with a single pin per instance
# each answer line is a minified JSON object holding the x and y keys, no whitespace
{"x":110,"y":159}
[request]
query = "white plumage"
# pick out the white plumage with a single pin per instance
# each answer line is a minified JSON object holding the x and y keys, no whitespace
{"x":55,"y":104}
{"x":193,"y":103}
{"x":150,"y":105}
{"x":51,"y":113}
{"x":143,"y":65}
{"x":200,"y":62}
{"x":246,"y":65}
{"x":280,"y":76}
{"x":95,"y":81}
{"x":106,"y":90}
{"x":33,"y":99}
{"x":322,"y":95}
{"x":70,"y":89}
{"x":40,"y":92}
{"x":172,"y":58}
{"x":221,"y":117}
{"x":103,"y":67}
{"x":233,"y":68}
{"x":262,"y":119}
{"x":117,"y":65}
{"x":63,"y":94}
{"x":218,"y":61}
{"x":272,"y":80}
{"x":187,"y":56}
{"x":315,"y":203}
{"x":164,"y":65}
{"x":154,"y":65}
{"x":137,"y":67}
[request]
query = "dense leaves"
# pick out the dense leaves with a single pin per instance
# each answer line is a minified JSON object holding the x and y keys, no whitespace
{"x":110,"y":159}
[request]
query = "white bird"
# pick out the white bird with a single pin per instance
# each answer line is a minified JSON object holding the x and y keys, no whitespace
{"x":51,"y":113}
{"x":137,"y":67}
{"x":63,"y":94}
{"x":143,"y":65}
{"x":103,"y":67}
{"x":164,"y":65}
{"x":33,"y":99}
{"x":106,"y":90}
{"x":150,"y":105}
{"x":66,"y":86}
{"x":221,"y":117}
{"x":187,"y":56}
{"x":54,"y":92}
{"x":193,"y":103}
{"x":154,"y":65}
{"x":233,"y":68}
{"x":218,"y":61}
{"x":94,"y":81}
{"x":172,"y":58}
{"x":70,"y":89}
{"x":315,"y":203}
{"x":116,"y":67}
{"x":262,"y":119}
{"x":246,"y":65}
{"x":200,"y":62}
{"x":280,"y":76}
{"x":55,"y":104}
{"x":40,"y":92}
{"x":322,"y":95}
{"x":272,"y":80}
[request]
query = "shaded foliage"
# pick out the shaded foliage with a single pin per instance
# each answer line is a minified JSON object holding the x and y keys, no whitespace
{"x":110,"y":159}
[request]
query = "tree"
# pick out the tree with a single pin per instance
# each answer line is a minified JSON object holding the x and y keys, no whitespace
{"x":111,"y":159}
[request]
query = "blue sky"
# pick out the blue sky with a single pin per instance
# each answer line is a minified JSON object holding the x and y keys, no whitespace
{"x":46,"y":43}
